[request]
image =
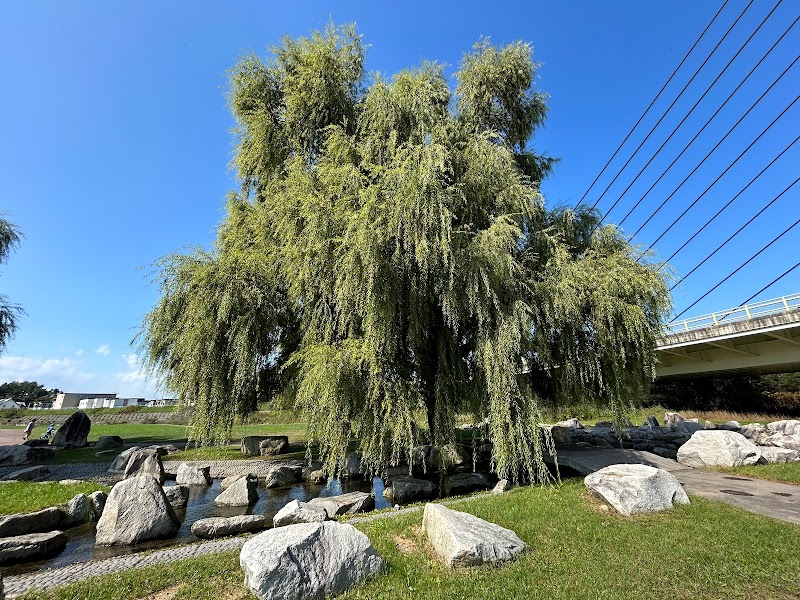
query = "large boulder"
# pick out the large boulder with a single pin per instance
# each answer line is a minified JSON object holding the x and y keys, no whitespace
{"x":636,"y":489}
{"x":782,"y":440}
{"x":241,"y":493}
{"x":193,"y":474}
{"x":23,"y":523}
{"x":708,"y":448}
{"x":756,"y":433}
{"x":464,"y":483}
{"x":307,"y":561}
{"x":31,"y":546}
{"x":773,"y":455}
{"x":137,"y":510}
{"x":671,"y":419}
{"x":177,"y":496}
{"x":299,"y":512}
{"x":19,"y":454}
{"x":787,"y":427}
{"x":74,"y":433}
{"x":282,"y":475}
{"x":214,"y":527}
{"x":345,"y":504}
{"x":409,"y":489}
{"x":121,"y":461}
{"x":146,"y":461}
{"x":105,"y":442}
{"x":464,"y":540}
{"x":77,"y":512}
{"x":272,"y":445}
{"x":28,"y":473}
{"x":264,"y":445}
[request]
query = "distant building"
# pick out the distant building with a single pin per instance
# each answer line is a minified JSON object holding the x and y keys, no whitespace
{"x":70,"y":400}
{"x":158,"y":402}
{"x":9,"y":403}
{"x":102,"y":402}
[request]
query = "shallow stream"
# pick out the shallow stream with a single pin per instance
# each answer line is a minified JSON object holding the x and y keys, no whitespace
{"x":81,"y":548}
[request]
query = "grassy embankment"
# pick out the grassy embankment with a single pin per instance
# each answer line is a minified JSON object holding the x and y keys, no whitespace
{"x":578,"y":548}
{"x":27,"y":496}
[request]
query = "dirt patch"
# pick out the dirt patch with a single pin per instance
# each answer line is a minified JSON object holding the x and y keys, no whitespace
{"x":405,"y":545}
{"x":166,"y":594}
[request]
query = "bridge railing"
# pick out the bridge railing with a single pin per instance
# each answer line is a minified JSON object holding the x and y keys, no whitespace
{"x":740,"y":313}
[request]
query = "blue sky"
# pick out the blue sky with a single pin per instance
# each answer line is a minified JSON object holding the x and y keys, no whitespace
{"x":116,"y":142}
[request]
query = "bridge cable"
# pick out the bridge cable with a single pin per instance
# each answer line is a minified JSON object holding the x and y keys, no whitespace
{"x":688,"y":114}
{"x":673,"y":104}
{"x":697,"y":41}
{"x":688,"y":145}
{"x":721,"y":210}
{"x":738,"y":231}
{"x":739,"y":268}
{"x":760,"y":135}
{"x":771,"y":283}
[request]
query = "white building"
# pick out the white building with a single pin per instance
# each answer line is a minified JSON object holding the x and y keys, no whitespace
{"x":73,"y":400}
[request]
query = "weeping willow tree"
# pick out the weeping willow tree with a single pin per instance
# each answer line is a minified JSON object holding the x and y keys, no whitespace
{"x":9,"y":313}
{"x":388,"y":261}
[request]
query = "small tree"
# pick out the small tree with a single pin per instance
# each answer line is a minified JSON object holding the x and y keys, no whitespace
{"x":389,"y":260}
{"x":9,"y":313}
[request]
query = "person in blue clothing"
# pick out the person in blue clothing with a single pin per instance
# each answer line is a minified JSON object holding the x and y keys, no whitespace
{"x":49,"y":431}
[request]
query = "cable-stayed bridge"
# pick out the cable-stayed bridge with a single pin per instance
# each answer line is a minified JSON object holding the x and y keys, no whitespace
{"x":758,"y":338}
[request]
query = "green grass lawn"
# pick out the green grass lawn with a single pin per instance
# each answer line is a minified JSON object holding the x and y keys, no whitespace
{"x":27,"y":496}
{"x":577,"y":549}
{"x":788,"y":473}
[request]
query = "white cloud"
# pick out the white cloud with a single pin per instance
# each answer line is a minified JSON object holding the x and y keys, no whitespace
{"x":20,"y":368}
{"x":103,"y":350}
{"x":79,"y":353}
{"x":132,"y":360}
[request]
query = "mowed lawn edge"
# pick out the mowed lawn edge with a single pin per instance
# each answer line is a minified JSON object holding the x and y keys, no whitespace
{"x":577,"y":548}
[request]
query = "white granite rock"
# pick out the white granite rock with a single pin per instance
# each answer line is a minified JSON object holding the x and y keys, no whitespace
{"x":786,"y":427}
{"x":718,"y":448}
{"x":299,"y":512}
{"x":636,"y":489}
{"x":214,"y":527}
{"x":464,"y":540}
{"x":308,"y":560}
{"x":136,"y":510}
{"x":193,"y":474}
{"x":241,"y":493}
{"x":773,"y":455}
{"x":345,"y":504}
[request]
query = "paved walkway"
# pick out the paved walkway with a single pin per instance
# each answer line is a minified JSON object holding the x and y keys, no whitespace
{"x":776,"y":500}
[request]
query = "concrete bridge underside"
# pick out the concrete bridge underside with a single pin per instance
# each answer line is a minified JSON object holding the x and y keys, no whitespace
{"x":766,"y":344}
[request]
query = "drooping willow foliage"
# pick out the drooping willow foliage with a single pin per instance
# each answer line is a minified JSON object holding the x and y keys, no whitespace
{"x":9,"y":313}
{"x":388,"y":262}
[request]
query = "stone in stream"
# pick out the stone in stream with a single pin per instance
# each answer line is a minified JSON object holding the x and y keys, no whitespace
{"x":464,"y":540}
{"x":23,"y":523}
{"x":121,"y":461}
{"x":464,"y":483}
{"x":308,"y":560}
{"x":137,"y":510}
{"x":241,"y":493}
{"x":77,"y":512}
{"x":299,"y":512}
{"x":345,"y":504}
{"x":193,"y":474}
{"x":409,"y":489}
{"x":231,"y":479}
{"x":31,"y":546}
{"x":177,"y":496}
{"x":214,"y":527}
{"x":636,"y":489}
{"x":146,"y":461}
{"x":282,"y":475}
{"x":718,"y":448}
{"x":74,"y":433}
{"x":98,"y":502}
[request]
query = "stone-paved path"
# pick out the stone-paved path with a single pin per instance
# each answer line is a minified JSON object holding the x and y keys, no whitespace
{"x":16,"y":585}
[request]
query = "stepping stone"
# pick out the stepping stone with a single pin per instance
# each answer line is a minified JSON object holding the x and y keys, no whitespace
{"x":300,"y":512}
{"x":23,"y":548}
{"x":215,"y":527}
